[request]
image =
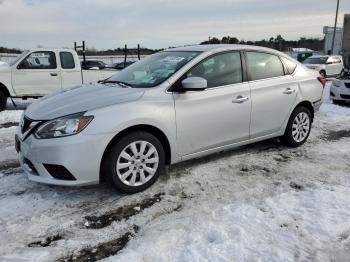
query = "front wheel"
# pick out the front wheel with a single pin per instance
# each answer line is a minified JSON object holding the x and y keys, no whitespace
{"x":134,"y":162}
{"x":3,"y":101}
{"x":323,"y":73}
{"x":298,"y":127}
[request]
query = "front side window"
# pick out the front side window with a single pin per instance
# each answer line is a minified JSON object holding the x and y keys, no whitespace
{"x":39,"y":60}
{"x":154,"y":69}
{"x":263,"y":65}
{"x":67,"y":60}
{"x":219,"y":70}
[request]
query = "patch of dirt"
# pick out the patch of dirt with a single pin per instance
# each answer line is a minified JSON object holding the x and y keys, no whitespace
{"x":124,"y":212}
{"x":8,"y":124}
{"x":343,"y":236}
{"x":296,"y":186}
{"x":103,"y":250}
{"x":336,"y":135}
{"x":9,"y":164}
{"x":46,"y":242}
{"x":264,"y":169}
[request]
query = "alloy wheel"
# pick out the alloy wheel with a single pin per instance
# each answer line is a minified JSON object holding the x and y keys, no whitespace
{"x":137,"y":163}
{"x":301,"y":127}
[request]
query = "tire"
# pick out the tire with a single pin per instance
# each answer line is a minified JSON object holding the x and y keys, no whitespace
{"x":323,"y":73}
{"x":120,"y":160}
{"x":299,"y":123}
{"x":3,"y":101}
{"x":338,"y":102}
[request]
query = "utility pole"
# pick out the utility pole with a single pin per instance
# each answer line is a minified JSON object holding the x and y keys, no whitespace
{"x":335,"y":27}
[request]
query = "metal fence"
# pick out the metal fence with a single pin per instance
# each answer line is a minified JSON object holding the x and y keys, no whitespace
{"x":4,"y":57}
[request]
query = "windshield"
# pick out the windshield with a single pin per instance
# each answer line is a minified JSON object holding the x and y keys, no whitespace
{"x":316,"y":60}
{"x":154,"y":69}
{"x":18,"y":58}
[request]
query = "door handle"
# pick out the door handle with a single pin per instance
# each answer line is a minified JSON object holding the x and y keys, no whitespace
{"x":289,"y":91}
{"x":240,"y":99}
{"x":53,"y":74}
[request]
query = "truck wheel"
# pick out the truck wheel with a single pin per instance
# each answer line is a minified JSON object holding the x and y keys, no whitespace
{"x":298,"y":127}
{"x":134,"y":162}
{"x":3,"y":101}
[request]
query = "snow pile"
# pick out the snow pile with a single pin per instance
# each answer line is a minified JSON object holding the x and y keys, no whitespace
{"x":297,"y":225}
{"x":10,"y":116}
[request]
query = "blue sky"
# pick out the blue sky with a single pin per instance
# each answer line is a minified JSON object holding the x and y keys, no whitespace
{"x":159,"y":23}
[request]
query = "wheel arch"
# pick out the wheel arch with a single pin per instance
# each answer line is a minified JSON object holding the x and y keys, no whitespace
{"x":146,"y":128}
{"x":4,"y":89}
{"x":308,"y":105}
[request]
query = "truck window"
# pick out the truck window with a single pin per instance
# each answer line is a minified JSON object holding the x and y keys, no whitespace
{"x":67,"y":60}
{"x":39,"y":60}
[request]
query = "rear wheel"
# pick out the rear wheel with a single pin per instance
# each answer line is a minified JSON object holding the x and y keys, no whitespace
{"x":338,"y":102}
{"x":3,"y":101}
{"x":323,"y":73}
{"x":298,"y":127}
{"x":134,"y":162}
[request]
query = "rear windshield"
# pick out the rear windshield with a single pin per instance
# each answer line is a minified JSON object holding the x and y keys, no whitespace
{"x":316,"y":60}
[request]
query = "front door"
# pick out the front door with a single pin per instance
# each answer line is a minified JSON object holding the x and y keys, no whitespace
{"x":218,"y":115}
{"x":37,"y":74}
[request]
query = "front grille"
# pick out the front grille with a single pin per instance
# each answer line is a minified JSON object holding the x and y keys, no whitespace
{"x":59,"y":172}
{"x":347,"y":85}
{"x":25,"y":124}
{"x":345,"y":96}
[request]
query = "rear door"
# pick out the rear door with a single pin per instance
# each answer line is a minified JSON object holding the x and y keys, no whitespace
{"x":218,"y":115}
{"x":37,"y":74}
{"x":70,"y":71}
{"x":273,"y":93}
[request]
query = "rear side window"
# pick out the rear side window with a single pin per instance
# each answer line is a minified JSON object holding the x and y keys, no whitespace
{"x":67,"y":60}
{"x":263,"y":65}
{"x":219,"y":70}
{"x":289,"y":65}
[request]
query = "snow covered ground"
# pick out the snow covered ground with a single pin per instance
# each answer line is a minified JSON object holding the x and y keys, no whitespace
{"x":263,"y":202}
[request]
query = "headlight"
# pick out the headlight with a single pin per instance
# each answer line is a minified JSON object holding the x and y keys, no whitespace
{"x":336,"y":82}
{"x":64,"y":126}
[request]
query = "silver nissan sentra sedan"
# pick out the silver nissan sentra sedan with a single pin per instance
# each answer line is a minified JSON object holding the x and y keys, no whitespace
{"x":174,"y":105}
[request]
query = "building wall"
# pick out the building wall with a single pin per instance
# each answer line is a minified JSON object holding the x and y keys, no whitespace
{"x":346,"y":34}
{"x":328,"y":32}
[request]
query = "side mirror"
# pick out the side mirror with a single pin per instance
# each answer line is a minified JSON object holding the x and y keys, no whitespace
{"x":194,"y":83}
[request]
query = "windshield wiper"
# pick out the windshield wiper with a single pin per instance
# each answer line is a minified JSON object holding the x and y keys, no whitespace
{"x":121,"y":83}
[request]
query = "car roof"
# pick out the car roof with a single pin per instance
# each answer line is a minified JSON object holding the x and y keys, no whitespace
{"x":223,"y":47}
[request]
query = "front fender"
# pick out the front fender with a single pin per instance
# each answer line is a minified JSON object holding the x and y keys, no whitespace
{"x":5,"y":80}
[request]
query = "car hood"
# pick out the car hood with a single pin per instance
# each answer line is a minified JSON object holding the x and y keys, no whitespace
{"x":5,"y":68}
{"x":79,"y":99}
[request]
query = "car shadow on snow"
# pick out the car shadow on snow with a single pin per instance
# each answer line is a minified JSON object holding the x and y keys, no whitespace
{"x":267,"y":145}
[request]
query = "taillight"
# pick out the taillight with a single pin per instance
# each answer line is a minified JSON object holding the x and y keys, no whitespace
{"x":322,"y":80}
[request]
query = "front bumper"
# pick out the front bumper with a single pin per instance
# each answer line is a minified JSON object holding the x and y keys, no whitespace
{"x":80,"y":154}
{"x":340,"y":93}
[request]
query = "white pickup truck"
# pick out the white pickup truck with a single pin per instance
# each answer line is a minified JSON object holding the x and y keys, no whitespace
{"x":40,"y":72}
